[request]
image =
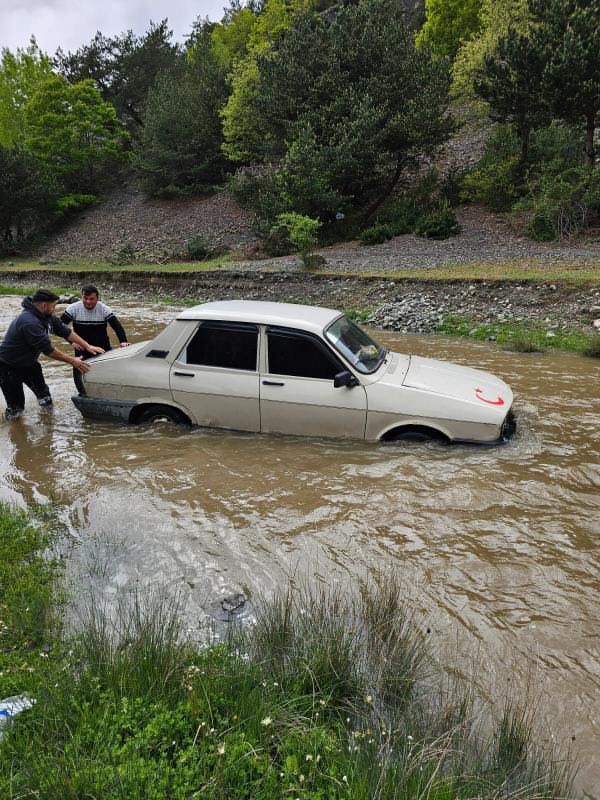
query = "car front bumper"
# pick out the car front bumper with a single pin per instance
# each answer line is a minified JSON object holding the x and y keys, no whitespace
{"x":103,"y":409}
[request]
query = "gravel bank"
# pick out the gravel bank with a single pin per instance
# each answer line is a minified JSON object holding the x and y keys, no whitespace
{"x":411,"y":306}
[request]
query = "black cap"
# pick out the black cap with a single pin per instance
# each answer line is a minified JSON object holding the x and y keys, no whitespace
{"x":44,"y":296}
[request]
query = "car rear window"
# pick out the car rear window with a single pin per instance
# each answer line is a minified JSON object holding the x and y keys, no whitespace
{"x":228,"y":345}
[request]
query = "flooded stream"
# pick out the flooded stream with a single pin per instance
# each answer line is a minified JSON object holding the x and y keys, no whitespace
{"x":500,"y":545}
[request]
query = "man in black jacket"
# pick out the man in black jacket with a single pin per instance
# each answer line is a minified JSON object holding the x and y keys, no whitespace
{"x":91,"y":318}
{"x":28,"y":336}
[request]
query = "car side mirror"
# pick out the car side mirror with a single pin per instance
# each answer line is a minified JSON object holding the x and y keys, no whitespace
{"x":345,"y":378}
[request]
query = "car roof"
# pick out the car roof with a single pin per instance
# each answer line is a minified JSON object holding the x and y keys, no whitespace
{"x":261,"y":312}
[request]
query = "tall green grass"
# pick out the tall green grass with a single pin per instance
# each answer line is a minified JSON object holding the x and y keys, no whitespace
{"x":331,"y":694}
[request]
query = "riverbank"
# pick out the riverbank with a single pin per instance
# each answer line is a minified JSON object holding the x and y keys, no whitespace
{"x":408,"y":305}
{"x":327,"y":695}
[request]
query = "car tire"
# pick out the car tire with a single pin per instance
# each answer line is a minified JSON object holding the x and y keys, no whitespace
{"x":157,"y":413}
{"x":416,"y":434}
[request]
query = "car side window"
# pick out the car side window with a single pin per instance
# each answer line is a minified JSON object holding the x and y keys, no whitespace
{"x":300,"y":354}
{"x":228,"y":345}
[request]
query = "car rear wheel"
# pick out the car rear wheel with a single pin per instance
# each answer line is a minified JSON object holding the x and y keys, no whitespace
{"x":157,"y":413}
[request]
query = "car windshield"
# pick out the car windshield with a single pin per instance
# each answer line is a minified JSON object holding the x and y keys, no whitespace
{"x":355,"y":345}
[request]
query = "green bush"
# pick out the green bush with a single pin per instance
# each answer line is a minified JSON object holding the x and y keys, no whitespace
{"x":70,"y":204}
{"x":376,"y":234}
{"x":259,"y":191}
{"x":556,"y":206}
{"x":495,"y":181}
{"x":197,"y":248}
{"x":300,"y":230}
{"x":439,"y":223}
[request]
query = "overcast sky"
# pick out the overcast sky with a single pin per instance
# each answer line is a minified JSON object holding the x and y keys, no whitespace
{"x":72,"y":23}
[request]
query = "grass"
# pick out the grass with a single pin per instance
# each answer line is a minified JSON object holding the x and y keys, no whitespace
{"x":532,"y":270}
{"x":87,"y":267}
{"x":331,"y":694}
{"x":524,"y":337}
{"x":24,"y":291}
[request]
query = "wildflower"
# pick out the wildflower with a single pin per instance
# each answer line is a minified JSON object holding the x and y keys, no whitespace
{"x":308,"y":757}
{"x":410,"y":738}
{"x":266,"y":721}
{"x":344,"y":779}
{"x":221,"y":750}
{"x":368,"y":699}
{"x":322,"y":702}
{"x":275,"y":683}
{"x":301,"y":778}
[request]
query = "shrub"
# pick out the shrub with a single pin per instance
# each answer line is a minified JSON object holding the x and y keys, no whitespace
{"x":72,"y":203}
{"x":259,"y":191}
{"x":301,"y":231}
{"x":197,"y":248}
{"x":439,"y":223}
{"x":380,"y":232}
{"x":494,"y":182}
{"x":557,"y":204}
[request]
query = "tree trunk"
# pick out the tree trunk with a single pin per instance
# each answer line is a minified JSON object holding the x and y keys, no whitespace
{"x":387,"y":192}
{"x":590,"y":155}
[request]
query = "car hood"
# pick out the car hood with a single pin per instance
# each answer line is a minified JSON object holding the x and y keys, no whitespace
{"x":459,"y":383}
{"x":119,"y":352}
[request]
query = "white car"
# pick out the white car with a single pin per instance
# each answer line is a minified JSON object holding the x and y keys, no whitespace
{"x":293,"y":369}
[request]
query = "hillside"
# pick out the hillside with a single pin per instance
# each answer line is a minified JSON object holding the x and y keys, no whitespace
{"x":129,"y":226}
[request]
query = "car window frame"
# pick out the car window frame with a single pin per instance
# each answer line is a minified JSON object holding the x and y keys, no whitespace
{"x":309,"y":336}
{"x":224,"y":325}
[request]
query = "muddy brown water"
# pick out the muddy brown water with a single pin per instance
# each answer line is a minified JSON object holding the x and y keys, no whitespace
{"x":499,"y":546}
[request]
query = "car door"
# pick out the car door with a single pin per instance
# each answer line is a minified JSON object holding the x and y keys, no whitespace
{"x":297,"y":394}
{"x":216,"y":376}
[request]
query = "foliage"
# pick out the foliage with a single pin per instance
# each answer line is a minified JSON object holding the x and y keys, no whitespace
{"x":495,"y":18}
{"x":230,"y":36}
{"x":559,"y":204}
{"x":494,"y":182}
{"x":448,"y":24}
{"x":301,"y":230}
{"x":376,"y":234}
{"x":71,"y":203}
{"x":344,"y":103}
{"x":508,"y":334}
{"x":438,"y":223}
{"x":592,"y":348}
{"x":197,"y":248}
{"x":74,"y":133}
{"x":567,"y":33}
{"x":511,"y":82}
{"x":28,"y":621}
{"x":124,"y":67}
{"x":242,"y":140}
{"x":179,"y":148}
{"x":26,"y":195}
{"x":331,"y":695}
{"x":20,"y":76}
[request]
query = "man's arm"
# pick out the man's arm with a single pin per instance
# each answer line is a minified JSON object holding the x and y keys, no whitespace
{"x":115,"y":324}
{"x":74,"y":361}
{"x":76,"y":339}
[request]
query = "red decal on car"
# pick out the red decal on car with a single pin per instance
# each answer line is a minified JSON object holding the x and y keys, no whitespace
{"x":498,"y":402}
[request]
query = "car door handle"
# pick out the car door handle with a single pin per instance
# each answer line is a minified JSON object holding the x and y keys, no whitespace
{"x":185,"y":374}
{"x":273,"y":383}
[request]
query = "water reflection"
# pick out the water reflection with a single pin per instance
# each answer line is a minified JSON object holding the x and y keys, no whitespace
{"x":499,"y":544}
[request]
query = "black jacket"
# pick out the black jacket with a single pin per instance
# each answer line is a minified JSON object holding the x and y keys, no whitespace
{"x":28,"y":335}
